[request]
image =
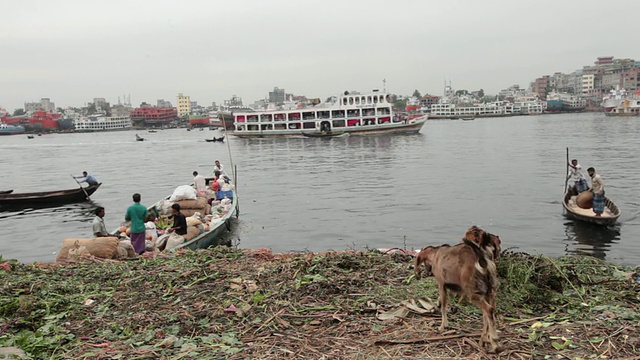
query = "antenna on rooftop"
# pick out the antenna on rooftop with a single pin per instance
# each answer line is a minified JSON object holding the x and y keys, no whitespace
{"x":384,"y":86}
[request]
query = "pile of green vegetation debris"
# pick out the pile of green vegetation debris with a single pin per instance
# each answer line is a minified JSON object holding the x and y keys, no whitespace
{"x":227,"y":303}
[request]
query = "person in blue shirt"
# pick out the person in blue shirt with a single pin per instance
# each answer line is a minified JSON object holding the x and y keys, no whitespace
{"x":89,"y":179}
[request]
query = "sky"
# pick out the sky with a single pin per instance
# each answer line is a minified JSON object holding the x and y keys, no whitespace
{"x":72,"y":51}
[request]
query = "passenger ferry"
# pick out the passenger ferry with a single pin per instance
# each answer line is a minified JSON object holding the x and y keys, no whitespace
{"x":447,"y":110}
{"x":351,"y":114}
{"x":619,"y":103}
{"x":102,"y":123}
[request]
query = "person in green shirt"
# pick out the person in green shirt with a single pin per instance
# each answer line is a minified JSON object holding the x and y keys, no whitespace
{"x":137,"y":214}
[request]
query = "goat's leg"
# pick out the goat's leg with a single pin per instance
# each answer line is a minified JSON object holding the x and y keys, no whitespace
{"x":489,"y":334}
{"x":443,"y":306}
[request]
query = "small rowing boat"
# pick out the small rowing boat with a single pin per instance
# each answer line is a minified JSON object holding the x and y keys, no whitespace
{"x":139,"y":138}
{"x":48,"y":197}
{"x":329,"y":134}
{"x":6,"y":192}
{"x":215,"y":139}
{"x":573,"y":211}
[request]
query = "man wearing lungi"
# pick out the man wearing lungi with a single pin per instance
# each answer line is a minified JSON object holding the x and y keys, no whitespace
{"x":597,"y":187}
{"x":137,"y":214}
{"x":575,"y":172}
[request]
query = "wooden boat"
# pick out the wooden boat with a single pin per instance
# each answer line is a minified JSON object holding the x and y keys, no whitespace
{"x":4,"y":192}
{"x":29,"y":136}
{"x":211,"y":237}
{"x":220,"y":139}
{"x":48,"y":197}
{"x":329,"y":134}
{"x":468,"y":118}
{"x":139,"y":138}
{"x":152,"y":131}
{"x":573,"y":211}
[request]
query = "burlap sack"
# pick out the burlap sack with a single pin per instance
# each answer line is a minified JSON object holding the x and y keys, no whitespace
{"x":192,"y":232}
{"x":190,"y":212}
{"x":174,"y":240}
{"x":585,"y":200}
{"x":128,"y":247}
{"x":191,"y":221}
{"x":102,"y":247}
{"x":199,"y":203}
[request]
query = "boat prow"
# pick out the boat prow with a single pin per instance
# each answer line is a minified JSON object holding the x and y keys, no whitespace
{"x":573,"y":211}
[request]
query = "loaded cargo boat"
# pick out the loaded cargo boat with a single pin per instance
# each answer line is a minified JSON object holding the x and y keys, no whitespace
{"x":355,"y":114}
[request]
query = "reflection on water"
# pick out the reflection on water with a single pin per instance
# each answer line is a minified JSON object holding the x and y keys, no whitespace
{"x":590,"y":239}
{"x":64,"y":213}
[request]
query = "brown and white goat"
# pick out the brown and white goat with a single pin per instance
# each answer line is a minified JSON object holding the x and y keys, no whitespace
{"x":467,"y":270}
{"x":488,"y":242}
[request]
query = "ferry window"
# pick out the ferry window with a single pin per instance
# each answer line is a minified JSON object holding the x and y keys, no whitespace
{"x":368,"y":99}
{"x":294,"y":116}
{"x":353,"y":113}
{"x":344,"y":101}
{"x":338,"y":113}
{"x":368,"y":112}
{"x":375,"y":99}
{"x":309,"y":125}
{"x":350,"y":101}
{"x":337,"y":123}
{"x":363,"y":99}
{"x":357,"y":101}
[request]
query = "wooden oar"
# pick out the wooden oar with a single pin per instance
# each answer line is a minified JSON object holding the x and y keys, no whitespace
{"x":81,"y":187}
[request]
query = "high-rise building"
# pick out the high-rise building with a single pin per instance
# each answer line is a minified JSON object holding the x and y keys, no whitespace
{"x":184,"y":105}
{"x":276,"y":96}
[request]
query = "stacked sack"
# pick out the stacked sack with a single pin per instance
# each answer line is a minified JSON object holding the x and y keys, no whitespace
{"x":190,"y":207}
{"x":102,"y":247}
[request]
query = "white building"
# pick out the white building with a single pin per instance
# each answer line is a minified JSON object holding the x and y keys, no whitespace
{"x":184,"y":105}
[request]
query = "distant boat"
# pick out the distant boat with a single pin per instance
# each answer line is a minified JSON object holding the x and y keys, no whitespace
{"x":152,"y":131}
{"x":329,"y":134}
{"x":30,"y":136}
{"x":467,"y":118}
{"x":215,"y":139}
{"x":10,"y":129}
{"x":5,"y":192}
{"x":139,"y":138}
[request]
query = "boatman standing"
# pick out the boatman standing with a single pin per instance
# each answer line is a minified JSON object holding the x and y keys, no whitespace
{"x":575,"y":172}
{"x":137,"y":214}
{"x":597,"y":187}
{"x":89,"y":179}
{"x":199,"y":182}
{"x":218,"y":167}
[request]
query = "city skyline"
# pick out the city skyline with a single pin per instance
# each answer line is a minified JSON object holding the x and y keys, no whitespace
{"x":73,"y":51}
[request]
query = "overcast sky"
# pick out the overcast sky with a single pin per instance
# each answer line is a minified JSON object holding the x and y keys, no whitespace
{"x":74,"y":50}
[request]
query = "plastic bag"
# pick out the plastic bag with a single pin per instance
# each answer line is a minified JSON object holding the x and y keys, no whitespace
{"x":183,"y":192}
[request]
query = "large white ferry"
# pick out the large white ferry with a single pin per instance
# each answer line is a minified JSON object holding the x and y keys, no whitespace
{"x":102,"y":123}
{"x":447,"y":110}
{"x":370,"y":113}
{"x":619,"y":103}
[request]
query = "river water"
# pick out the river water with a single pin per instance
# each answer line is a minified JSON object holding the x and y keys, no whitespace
{"x":310,"y":194}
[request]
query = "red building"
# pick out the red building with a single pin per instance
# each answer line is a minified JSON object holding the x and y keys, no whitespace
{"x":44,"y":119}
{"x":154,"y":115}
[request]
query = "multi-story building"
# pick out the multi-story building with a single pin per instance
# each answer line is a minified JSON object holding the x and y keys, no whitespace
{"x":100,"y":104}
{"x":276,"y":96}
{"x":44,"y":104}
{"x":164,"y":103}
{"x":588,"y":84}
{"x":184,"y":105}
{"x":540,"y":86}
